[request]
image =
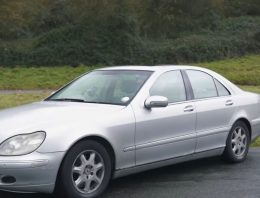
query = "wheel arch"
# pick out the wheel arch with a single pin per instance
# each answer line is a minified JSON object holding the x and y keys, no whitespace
{"x":98,"y":139}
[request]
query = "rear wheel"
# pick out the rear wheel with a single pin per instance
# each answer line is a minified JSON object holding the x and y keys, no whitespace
{"x":237,"y":144}
{"x":85,"y":172}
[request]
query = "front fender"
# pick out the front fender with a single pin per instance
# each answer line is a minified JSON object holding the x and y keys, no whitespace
{"x":118,"y":130}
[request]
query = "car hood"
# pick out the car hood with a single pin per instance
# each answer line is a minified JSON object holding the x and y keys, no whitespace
{"x":43,"y":115}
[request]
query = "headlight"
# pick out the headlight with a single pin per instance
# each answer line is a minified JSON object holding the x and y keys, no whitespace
{"x":22,"y":144}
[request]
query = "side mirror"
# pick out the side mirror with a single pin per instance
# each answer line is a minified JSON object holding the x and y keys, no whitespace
{"x":156,"y":101}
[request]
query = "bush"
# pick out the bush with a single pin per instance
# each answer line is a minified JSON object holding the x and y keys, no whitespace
{"x":115,"y":41}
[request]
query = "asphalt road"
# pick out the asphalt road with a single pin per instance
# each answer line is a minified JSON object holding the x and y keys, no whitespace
{"x":202,"y":178}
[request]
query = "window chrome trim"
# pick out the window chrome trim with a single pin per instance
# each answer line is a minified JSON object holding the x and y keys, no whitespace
{"x":197,"y":100}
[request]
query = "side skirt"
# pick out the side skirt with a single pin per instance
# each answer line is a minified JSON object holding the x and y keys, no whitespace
{"x":136,"y":169}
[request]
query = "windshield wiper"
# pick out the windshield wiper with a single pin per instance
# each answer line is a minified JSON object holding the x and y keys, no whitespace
{"x":108,"y":103}
{"x":80,"y":100}
{"x":67,"y":99}
{"x":97,"y":102}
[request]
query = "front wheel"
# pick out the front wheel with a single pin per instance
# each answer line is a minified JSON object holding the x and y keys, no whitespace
{"x":237,"y":144}
{"x":85,"y":172}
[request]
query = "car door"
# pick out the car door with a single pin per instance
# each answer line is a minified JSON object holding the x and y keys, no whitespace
{"x":164,"y":133}
{"x":214,"y":107}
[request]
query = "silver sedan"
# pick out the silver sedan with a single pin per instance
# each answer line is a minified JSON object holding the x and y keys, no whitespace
{"x":117,"y":121}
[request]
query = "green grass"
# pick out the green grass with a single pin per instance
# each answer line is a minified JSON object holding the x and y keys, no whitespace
{"x":255,"y":89}
{"x":11,"y":100}
{"x":256,"y":143}
{"x":20,"y":78}
{"x":242,"y":71}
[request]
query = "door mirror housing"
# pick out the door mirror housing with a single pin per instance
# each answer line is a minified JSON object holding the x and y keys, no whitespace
{"x":156,"y":102}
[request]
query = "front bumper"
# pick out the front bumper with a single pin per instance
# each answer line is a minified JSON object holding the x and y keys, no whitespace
{"x":36,"y":172}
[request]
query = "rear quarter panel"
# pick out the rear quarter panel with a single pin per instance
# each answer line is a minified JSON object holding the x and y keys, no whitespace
{"x":248,"y":107}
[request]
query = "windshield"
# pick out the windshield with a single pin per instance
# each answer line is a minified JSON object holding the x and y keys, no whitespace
{"x":103,"y":86}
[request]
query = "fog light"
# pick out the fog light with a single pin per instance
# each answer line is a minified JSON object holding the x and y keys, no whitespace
{"x":8,"y":180}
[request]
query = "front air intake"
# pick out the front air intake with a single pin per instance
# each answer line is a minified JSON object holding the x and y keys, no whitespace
{"x":8,"y":180}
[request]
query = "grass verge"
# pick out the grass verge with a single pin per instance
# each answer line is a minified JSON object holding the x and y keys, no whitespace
{"x":241,"y":71}
{"x":29,"y":78}
{"x":256,"y":143}
{"x":255,"y":89}
{"x":11,"y":100}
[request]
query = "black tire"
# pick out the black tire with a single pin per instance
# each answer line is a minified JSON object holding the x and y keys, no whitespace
{"x":229,"y":155}
{"x":65,"y":184}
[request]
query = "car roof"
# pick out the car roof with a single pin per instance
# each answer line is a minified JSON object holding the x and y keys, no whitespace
{"x":152,"y":68}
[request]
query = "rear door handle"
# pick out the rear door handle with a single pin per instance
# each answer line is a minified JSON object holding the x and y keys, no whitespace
{"x":229,"y":102}
{"x":189,"y":108}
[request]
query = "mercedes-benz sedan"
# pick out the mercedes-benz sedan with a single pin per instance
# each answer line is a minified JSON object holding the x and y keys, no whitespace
{"x":117,"y":121}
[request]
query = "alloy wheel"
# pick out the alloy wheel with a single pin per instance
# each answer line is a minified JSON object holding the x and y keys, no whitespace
{"x":239,"y":141}
{"x":88,"y":171}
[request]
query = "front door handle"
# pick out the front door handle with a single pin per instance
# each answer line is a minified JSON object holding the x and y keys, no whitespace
{"x":229,"y":102}
{"x":189,"y":108}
